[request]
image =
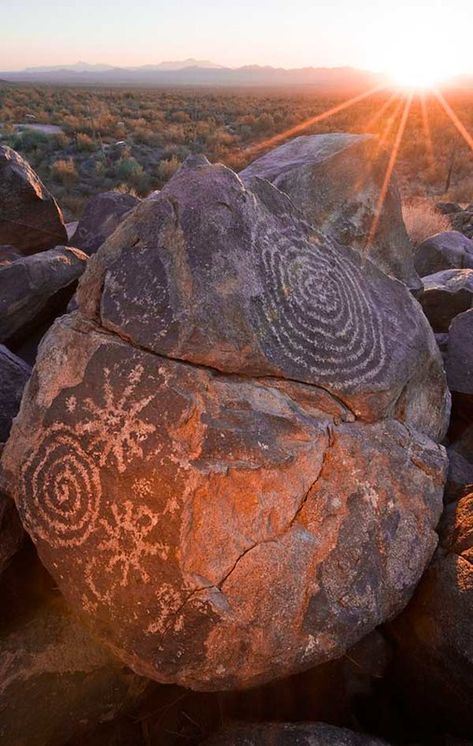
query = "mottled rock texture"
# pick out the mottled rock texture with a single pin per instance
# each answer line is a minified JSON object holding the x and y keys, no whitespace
{"x":336,"y":180}
{"x":291,"y":734}
{"x":14,"y":374}
{"x":226,"y":457}
{"x":56,"y":681}
{"x":434,"y":634}
{"x":34,"y":290}
{"x":448,"y":250}
{"x":30,"y":219}
{"x":102,"y":214}
{"x":445,"y":295}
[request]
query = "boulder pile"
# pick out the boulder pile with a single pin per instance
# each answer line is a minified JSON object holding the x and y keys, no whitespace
{"x":229,"y":457}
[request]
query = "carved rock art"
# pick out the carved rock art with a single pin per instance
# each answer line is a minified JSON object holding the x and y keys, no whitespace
{"x":227,"y":455}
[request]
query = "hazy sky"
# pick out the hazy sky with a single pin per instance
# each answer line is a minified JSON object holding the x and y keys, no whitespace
{"x":290,"y":33}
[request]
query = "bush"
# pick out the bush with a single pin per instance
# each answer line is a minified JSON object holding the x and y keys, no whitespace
{"x":64,"y":171}
{"x":423,"y":220}
{"x":167,"y":168}
{"x":85,"y":142}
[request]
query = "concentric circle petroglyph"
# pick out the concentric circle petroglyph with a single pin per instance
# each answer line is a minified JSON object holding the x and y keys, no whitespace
{"x":60,"y":490}
{"x":317,"y":313}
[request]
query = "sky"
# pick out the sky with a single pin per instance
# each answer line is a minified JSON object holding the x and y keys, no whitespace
{"x":370,"y":34}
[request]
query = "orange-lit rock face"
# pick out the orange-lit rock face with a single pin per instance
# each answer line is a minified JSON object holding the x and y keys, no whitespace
{"x":219,"y":530}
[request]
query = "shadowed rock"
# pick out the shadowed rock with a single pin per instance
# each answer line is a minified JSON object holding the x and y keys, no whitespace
{"x":56,"y":681}
{"x":448,"y":250}
{"x":460,"y":461}
{"x":218,"y":529}
{"x":434,"y":634}
{"x":14,"y":374}
{"x":291,"y":734}
{"x":11,"y":531}
{"x":459,"y":363}
{"x":445,"y":295}
{"x":30,"y":219}
{"x":34,"y":289}
{"x":336,"y":180}
{"x":102,"y":214}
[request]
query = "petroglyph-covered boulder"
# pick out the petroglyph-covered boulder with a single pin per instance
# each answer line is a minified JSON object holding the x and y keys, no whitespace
{"x":337,"y":179}
{"x":30,"y":219}
{"x":225,"y":523}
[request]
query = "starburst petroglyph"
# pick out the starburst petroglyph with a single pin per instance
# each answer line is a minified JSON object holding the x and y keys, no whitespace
{"x":115,"y":428}
{"x":122,"y":551}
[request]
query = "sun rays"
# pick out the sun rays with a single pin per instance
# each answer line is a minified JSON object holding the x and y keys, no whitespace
{"x":389,"y":122}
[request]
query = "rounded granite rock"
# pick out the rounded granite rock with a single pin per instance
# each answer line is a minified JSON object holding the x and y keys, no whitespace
{"x":223,"y":497}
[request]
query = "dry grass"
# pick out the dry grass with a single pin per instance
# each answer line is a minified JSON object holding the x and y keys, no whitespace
{"x":423,"y":220}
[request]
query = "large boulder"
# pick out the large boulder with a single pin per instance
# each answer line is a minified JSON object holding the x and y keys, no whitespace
{"x":30,"y":219}
{"x":459,"y":363}
{"x":291,"y":734}
{"x":14,"y":373}
{"x":234,"y":475}
{"x":337,"y":181}
{"x":448,"y":250}
{"x":434,"y":635}
{"x":445,"y":295}
{"x":35,"y":289}
{"x":56,"y":681}
{"x":102,"y":214}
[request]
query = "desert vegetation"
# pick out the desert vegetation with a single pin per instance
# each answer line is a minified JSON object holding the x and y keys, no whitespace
{"x":134,"y":139}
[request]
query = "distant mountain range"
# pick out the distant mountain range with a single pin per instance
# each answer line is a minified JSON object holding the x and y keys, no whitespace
{"x":195,"y":72}
{"x":205,"y":72}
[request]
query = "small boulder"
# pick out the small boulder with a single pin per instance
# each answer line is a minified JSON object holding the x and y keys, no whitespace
{"x":445,"y":295}
{"x":434,"y":659}
{"x":102,"y":214}
{"x":336,"y":180}
{"x":14,"y":374}
{"x":35,"y":289}
{"x":291,"y":734}
{"x":459,"y":363}
{"x":30,"y":219}
{"x":460,"y":461}
{"x":448,"y":250}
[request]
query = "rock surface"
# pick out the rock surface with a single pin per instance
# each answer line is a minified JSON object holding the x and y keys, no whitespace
{"x":14,"y":373}
{"x":234,"y":279}
{"x":11,"y":531}
{"x":102,"y":214}
{"x":434,"y":634}
{"x":291,"y":734}
{"x":445,"y":295}
{"x":30,"y":219}
{"x":56,"y":681}
{"x":459,"y":364}
{"x":449,"y":250}
{"x":336,"y":180}
{"x":160,"y":492}
{"x":34,"y":289}
{"x":460,"y":460}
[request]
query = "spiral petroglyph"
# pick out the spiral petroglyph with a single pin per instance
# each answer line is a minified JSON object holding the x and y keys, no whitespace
{"x":60,"y":490}
{"x":316,"y":312}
